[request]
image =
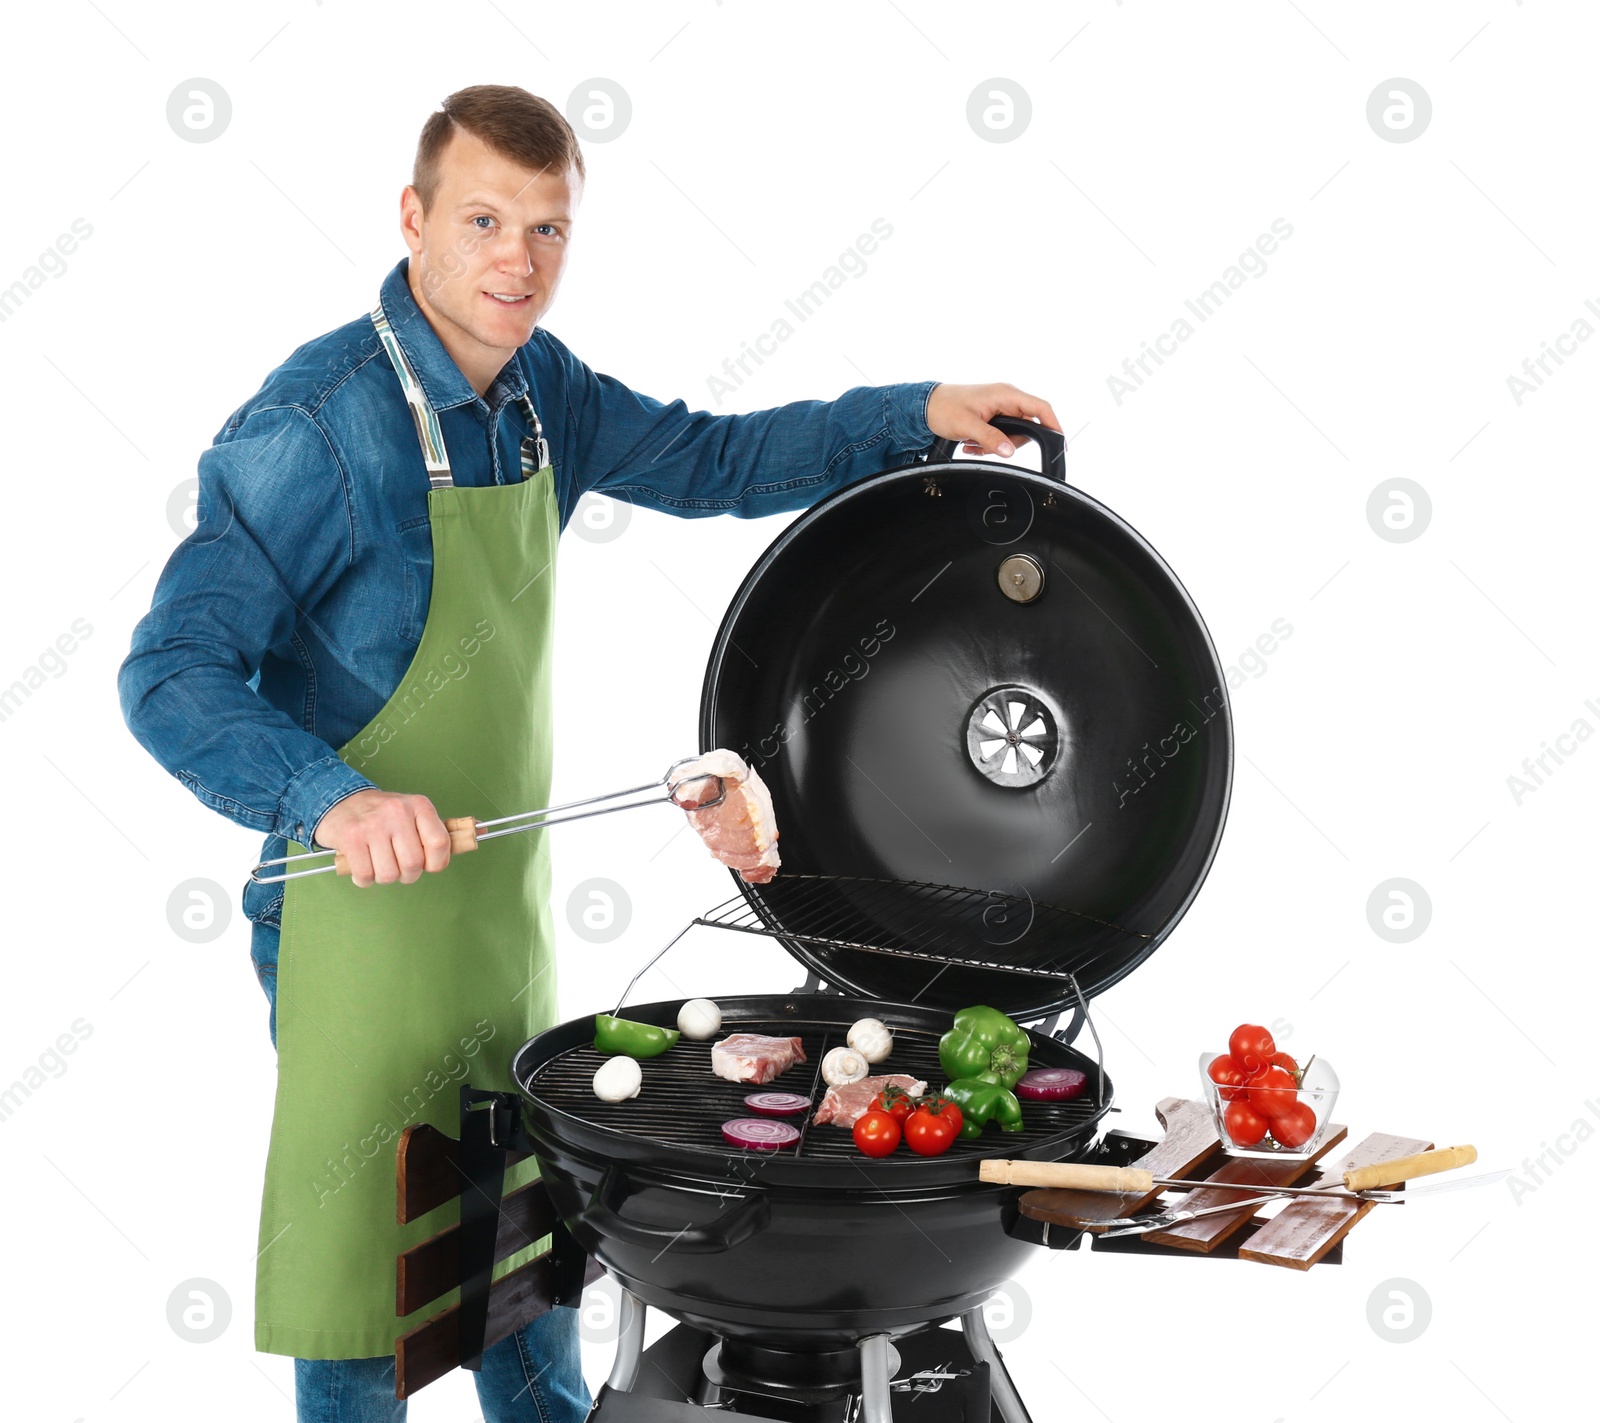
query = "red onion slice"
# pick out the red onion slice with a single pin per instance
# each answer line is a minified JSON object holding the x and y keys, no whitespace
{"x":777,"y":1104}
{"x":759,"y":1133}
{"x":1051,"y":1084}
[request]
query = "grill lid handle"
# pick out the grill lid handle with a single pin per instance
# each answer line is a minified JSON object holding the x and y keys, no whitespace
{"x":1052,"y":444}
{"x":603,"y":1217}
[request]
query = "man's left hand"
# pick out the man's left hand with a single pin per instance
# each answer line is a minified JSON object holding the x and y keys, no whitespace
{"x":963,"y":412}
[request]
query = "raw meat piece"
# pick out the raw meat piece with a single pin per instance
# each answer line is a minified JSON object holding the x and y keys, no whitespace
{"x":739,"y":830}
{"x":843,"y":1105}
{"x":754,"y":1057}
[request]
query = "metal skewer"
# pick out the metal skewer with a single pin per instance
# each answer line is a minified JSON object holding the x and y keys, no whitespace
{"x":1487,"y":1178}
{"x":467,"y":832}
{"x":1179,"y":1216}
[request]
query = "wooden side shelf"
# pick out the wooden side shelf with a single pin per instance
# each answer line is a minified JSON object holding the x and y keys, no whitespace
{"x":429,"y":1172}
{"x":1298,"y":1237}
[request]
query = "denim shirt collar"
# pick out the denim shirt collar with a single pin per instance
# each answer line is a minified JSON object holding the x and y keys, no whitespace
{"x":442,"y":381}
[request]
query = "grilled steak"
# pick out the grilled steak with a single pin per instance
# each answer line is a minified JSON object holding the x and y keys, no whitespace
{"x":843,"y":1105}
{"x":754,"y":1057}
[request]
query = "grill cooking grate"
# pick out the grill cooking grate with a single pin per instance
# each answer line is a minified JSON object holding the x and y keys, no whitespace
{"x":935,"y":923}
{"x":683,"y":1103}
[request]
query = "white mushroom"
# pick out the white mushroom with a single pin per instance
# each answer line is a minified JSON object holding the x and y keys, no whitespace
{"x":699,"y":1018}
{"x":842,"y":1066}
{"x":618,"y":1079}
{"x":871,"y":1038}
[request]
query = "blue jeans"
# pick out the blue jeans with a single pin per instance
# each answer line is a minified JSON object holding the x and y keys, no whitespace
{"x":532,"y":1376}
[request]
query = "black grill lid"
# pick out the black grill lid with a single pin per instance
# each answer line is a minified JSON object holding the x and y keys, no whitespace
{"x":878,"y":664}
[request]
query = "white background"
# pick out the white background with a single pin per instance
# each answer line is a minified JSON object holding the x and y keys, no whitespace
{"x":1375,"y":741}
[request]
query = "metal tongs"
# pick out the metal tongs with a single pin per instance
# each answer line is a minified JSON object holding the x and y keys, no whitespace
{"x":1170,"y":1218}
{"x":467,"y":832}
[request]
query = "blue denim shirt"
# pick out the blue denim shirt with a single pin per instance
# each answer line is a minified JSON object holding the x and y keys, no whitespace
{"x":283,"y":623}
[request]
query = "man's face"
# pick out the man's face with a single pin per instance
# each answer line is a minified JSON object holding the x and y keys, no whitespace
{"x":487,"y":256}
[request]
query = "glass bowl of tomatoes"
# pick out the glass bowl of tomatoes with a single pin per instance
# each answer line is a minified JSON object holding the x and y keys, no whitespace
{"x":1280,"y":1110}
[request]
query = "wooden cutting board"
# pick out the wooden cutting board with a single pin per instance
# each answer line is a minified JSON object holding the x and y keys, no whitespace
{"x":1206,"y":1234}
{"x":1191,"y":1138}
{"x":1304,"y":1231}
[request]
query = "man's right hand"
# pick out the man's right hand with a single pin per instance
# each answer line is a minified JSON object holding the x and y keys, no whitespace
{"x":385,"y":836}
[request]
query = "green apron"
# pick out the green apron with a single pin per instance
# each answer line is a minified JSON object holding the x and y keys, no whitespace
{"x":390,"y":997}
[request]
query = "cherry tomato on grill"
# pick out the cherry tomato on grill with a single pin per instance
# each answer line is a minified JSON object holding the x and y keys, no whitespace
{"x":1225,"y":1072}
{"x":896,"y":1101}
{"x":876,"y":1133}
{"x":1272,"y":1093}
{"x":1245,"y":1125}
{"x":1295,"y":1127}
{"x":933,"y":1127}
{"x":1252,"y":1048}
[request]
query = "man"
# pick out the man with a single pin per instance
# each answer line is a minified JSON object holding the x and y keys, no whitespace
{"x":340,"y":592}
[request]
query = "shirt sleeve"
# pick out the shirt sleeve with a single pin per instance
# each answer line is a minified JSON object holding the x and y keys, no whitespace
{"x":694,"y":463}
{"x":274,"y":531}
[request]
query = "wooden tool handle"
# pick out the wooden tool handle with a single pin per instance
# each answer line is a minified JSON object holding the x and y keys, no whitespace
{"x":1065,"y":1174}
{"x":463,"y":837}
{"x":1408,"y":1168}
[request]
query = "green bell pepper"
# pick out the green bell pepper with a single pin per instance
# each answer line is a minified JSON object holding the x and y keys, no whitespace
{"x":986,"y":1045}
{"x":983,"y":1102}
{"x":620,"y":1035}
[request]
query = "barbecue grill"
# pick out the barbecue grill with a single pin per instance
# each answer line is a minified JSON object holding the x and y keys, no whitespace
{"x":999,"y":750}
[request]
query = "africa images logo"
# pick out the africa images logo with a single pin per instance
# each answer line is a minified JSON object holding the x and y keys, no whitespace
{"x":1167,"y":747}
{"x":420,"y":688}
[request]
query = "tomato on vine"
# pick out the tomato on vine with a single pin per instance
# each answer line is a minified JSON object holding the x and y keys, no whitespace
{"x":876,"y":1133}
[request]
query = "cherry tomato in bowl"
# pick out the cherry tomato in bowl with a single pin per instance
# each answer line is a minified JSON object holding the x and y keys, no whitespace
{"x":1226,"y":1073}
{"x":1295,"y":1127}
{"x":1245,"y":1125}
{"x":1272,"y":1093}
{"x":1251,"y":1048}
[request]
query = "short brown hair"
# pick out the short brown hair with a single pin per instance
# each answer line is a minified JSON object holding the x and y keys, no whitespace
{"x":516,"y":124}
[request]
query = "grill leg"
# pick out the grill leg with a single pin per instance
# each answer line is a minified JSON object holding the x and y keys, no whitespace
{"x":1001,"y":1389}
{"x":630,"y":1345}
{"x":875,"y":1406}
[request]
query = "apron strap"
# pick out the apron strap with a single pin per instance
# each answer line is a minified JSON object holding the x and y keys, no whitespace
{"x":535,"y":450}
{"x":429,"y":435}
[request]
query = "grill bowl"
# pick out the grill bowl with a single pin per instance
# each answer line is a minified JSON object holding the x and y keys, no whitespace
{"x":807,"y":1247}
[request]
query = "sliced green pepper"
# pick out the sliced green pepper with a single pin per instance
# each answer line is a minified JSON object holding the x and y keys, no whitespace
{"x":620,"y":1035}
{"x":986,"y":1045}
{"x":983,"y":1102}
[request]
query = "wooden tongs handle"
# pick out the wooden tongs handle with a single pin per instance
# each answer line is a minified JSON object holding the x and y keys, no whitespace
{"x":1408,"y":1168}
{"x":463,"y":838}
{"x":1068,"y":1175}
